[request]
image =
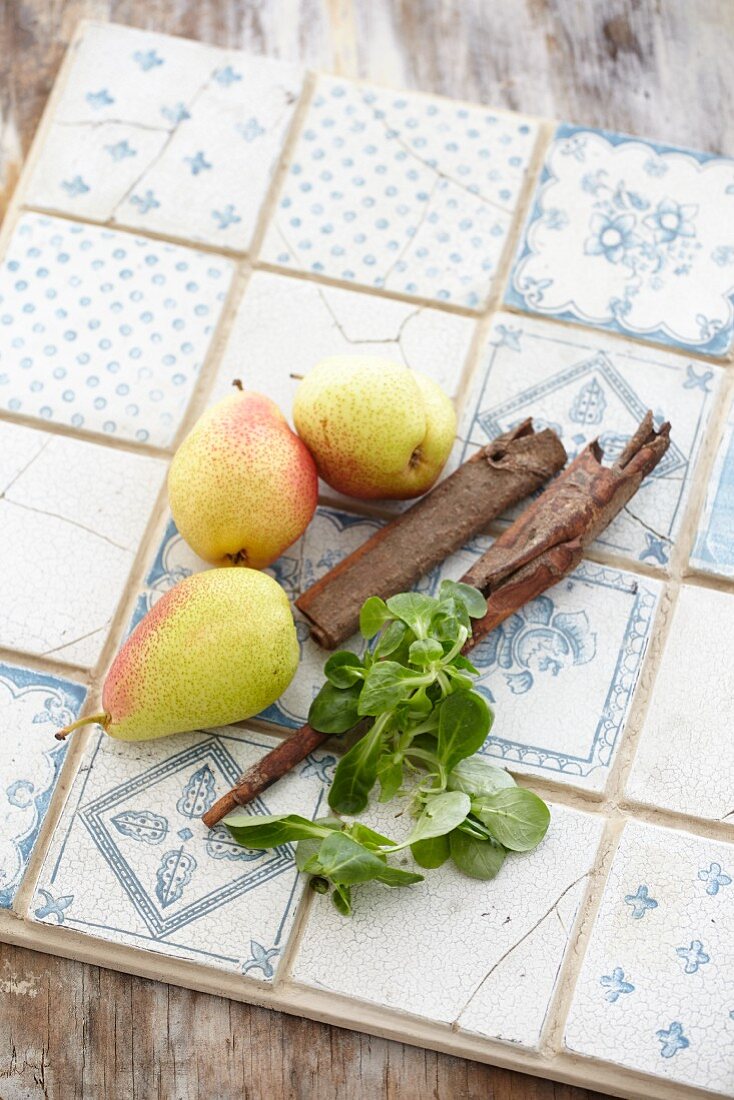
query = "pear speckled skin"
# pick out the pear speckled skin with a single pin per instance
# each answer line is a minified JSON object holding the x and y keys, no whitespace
{"x":377,"y":429}
{"x":242,"y":486}
{"x":218,"y":647}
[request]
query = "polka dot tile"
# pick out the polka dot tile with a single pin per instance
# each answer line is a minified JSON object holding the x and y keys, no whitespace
{"x":72,"y":515}
{"x":401,"y":191}
{"x":162,"y":134}
{"x":102,"y":330}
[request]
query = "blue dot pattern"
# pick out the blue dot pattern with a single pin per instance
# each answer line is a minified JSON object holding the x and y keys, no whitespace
{"x":103,"y":330}
{"x":402,"y":192}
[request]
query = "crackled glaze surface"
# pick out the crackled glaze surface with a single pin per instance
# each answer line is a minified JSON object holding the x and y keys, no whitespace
{"x":89,"y":507}
{"x":402,"y":192}
{"x":631,"y":235}
{"x":713,"y":551}
{"x":132,"y":862}
{"x":33,"y":705}
{"x":158,"y":133}
{"x":656,"y":991}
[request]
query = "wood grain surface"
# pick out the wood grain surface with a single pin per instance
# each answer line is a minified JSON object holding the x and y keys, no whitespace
{"x":661,"y":68}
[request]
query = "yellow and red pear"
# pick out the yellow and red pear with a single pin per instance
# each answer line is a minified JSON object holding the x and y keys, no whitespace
{"x":242,"y":486}
{"x":376,"y":428}
{"x":218,"y":647}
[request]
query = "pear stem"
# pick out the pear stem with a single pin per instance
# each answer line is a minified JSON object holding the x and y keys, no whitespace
{"x":103,"y":719}
{"x":237,"y":383}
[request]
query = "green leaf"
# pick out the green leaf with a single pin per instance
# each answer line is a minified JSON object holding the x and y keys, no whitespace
{"x":464,"y":720}
{"x":425,"y":651}
{"x":356,"y":773}
{"x":335,"y":710}
{"x":391,"y":639}
{"x":470,"y":597}
{"x":307,"y":848}
{"x":462,"y":662}
{"x":516,"y":817}
{"x":387,"y":684}
{"x":414,"y":609}
{"x":476,"y":858}
{"x":270,"y":831}
{"x":442,"y":813}
{"x":431,"y":852}
{"x":346,"y":861}
{"x":373,"y":616}
{"x":342,"y":899}
{"x":478,"y":777}
{"x":343,"y":669}
{"x":394,"y":876}
{"x":364,"y":835}
{"x":390,"y":776}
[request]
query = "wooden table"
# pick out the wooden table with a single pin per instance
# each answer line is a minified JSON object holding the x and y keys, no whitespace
{"x":655,"y":67}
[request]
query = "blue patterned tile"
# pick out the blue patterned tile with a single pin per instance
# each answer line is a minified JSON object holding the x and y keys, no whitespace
{"x":104,"y":331}
{"x":33,"y":705}
{"x":713,"y":551}
{"x":630,"y":235}
{"x":132,"y":862}
{"x":672,"y":973}
{"x":587,"y":387}
{"x":401,"y":191}
{"x":166,"y":146}
{"x":576,"y":651}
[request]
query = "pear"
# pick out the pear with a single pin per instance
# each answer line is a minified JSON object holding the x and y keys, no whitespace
{"x":218,"y":647}
{"x":377,"y":429}
{"x":242,"y":486}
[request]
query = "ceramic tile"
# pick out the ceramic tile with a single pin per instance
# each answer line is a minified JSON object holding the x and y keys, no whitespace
{"x":687,"y":730}
{"x":401,"y":191}
{"x":560,"y":674}
{"x":586,"y":387}
{"x":166,"y":135}
{"x":133,"y":863}
{"x":656,"y":991}
{"x":482,"y":956}
{"x":103,"y":330}
{"x":630,"y":235}
{"x":72,"y":515}
{"x":714,"y":548}
{"x":33,"y":705}
{"x":324,"y":321}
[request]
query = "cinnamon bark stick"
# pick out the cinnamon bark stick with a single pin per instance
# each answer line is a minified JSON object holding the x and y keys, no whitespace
{"x":543,"y":545}
{"x":503,"y":472}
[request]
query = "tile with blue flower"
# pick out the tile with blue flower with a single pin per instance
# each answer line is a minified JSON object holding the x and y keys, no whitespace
{"x":631,"y":235}
{"x":656,"y":987}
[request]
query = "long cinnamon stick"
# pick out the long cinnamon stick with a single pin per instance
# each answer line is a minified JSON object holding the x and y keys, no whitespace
{"x":544,"y":544}
{"x":503,"y":472}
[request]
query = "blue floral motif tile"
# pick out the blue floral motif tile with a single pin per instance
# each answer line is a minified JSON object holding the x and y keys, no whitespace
{"x":631,"y":235}
{"x":655,"y":995}
{"x":132,"y":862}
{"x":560,"y":674}
{"x":72,"y":515}
{"x":401,"y":191}
{"x":185,"y":146}
{"x":714,"y":548}
{"x":586,"y":387}
{"x":105,"y":331}
{"x":688,"y":723}
{"x":482,"y":957}
{"x":33,"y":705}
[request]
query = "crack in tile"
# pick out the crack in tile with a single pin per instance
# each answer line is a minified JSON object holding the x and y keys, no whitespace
{"x":71,"y":522}
{"x":646,"y":526}
{"x":517,"y":943}
{"x":25,"y":468}
{"x":74,"y":641}
{"x":97,"y":124}
{"x":411,"y":239}
{"x":353,"y":340}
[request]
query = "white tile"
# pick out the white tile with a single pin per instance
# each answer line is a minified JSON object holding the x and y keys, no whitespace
{"x":167,"y":135}
{"x":483,"y":956}
{"x":633,"y":236}
{"x":401,"y":191}
{"x":102,"y":330}
{"x":33,"y":705}
{"x":587,"y":387}
{"x":285,"y":326}
{"x":132,"y":862}
{"x":656,"y":991}
{"x":714,"y":548}
{"x":72,"y":515}
{"x":685,"y":760}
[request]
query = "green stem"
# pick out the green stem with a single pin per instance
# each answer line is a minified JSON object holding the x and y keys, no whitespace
{"x":103,"y":720}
